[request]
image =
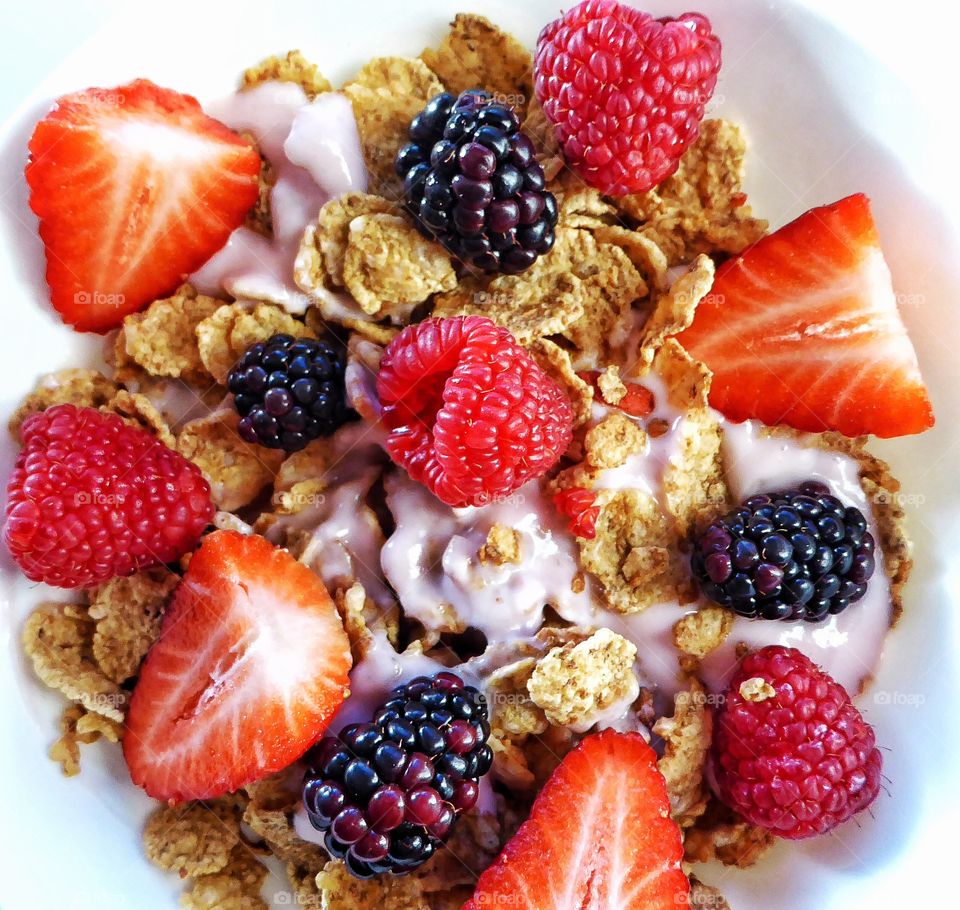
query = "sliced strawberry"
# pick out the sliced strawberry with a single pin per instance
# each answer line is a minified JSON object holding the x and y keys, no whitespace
{"x":135,"y":188}
{"x":599,"y":837}
{"x":803,"y":329}
{"x":637,"y":402}
{"x":251,"y":663}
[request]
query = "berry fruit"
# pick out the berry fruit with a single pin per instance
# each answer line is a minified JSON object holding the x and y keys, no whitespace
{"x":469,"y":413}
{"x":250,"y":666}
{"x":134,"y":187}
{"x":387,"y":793}
{"x":625,"y":92}
{"x":599,"y":837}
{"x":289,"y":391}
{"x":791,"y":753}
{"x":471,"y":182}
{"x":797,"y":554}
{"x":92,"y":498}
{"x":577,"y":504}
{"x":802,"y":329}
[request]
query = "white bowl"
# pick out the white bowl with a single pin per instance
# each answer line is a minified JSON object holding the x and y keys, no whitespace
{"x":825,"y":119}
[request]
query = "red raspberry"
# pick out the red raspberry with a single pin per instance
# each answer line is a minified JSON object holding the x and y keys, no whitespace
{"x":470,"y":414}
{"x":625,"y":91}
{"x":92,"y":498}
{"x":577,"y":504}
{"x":795,"y":756}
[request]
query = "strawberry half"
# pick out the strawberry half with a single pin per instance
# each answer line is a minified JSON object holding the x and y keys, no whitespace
{"x":135,"y":188}
{"x":803,"y":329}
{"x":599,"y":837}
{"x":251,"y":664}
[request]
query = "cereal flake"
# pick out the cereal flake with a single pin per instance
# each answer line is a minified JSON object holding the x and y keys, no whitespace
{"x":575,"y":683}
{"x":193,"y":838}
{"x":686,"y":737}
{"x":293,"y":67}
{"x":83,"y":388}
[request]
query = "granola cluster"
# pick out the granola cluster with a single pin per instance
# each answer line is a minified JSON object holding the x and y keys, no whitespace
{"x":624,"y":277}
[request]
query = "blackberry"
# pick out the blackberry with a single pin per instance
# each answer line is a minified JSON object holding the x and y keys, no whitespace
{"x":791,"y":555}
{"x":471,"y":182}
{"x":289,"y":391}
{"x":387,"y":793}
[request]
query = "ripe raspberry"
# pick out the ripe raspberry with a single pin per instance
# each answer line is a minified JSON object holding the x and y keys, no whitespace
{"x":577,"y":504}
{"x":470,"y":415}
{"x":791,"y":753}
{"x":92,"y":498}
{"x":625,"y":91}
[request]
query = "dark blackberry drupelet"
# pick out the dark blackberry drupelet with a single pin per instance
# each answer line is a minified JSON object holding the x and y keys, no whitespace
{"x":796,"y":554}
{"x":387,"y":793}
{"x":471,"y":181}
{"x":289,"y":391}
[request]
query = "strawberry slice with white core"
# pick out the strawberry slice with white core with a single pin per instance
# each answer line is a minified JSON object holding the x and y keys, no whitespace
{"x":135,"y":188}
{"x":803,"y":329}
{"x":599,"y":837}
{"x":250,"y":666}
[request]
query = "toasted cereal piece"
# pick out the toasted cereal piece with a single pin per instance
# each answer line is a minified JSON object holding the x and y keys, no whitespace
{"x":80,"y":727}
{"x":260,"y":217}
{"x":236,"y":887}
{"x":139,"y":411}
{"x":694,"y":486}
{"x":632,"y":554}
{"x":127,"y":614}
{"x":236,"y":470}
{"x":195,"y":838}
{"x":58,"y":639}
{"x":610,"y":442}
{"x":390,"y":267}
{"x":83,"y":388}
{"x":705,"y":897}
{"x":673,"y":311}
{"x":275,"y":826}
{"x":386,"y":95}
{"x":575,"y":684}
{"x":580,"y":205}
{"x":512,"y":711}
{"x":720,"y":834}
{"x":686,"y":736}
{"x":610,"y":385}
{"x":293,"y":67}
{"x":610,"y":285}
{"x":510,"y":766}
{"x":361,"y":614}
{"x":702,"y":207}
{"x":360,"y":377}
{"x":477,"y":54}
{"x":339,"y":890}
{"x":543,"y":301}
{"x":333,"y":227}
{"x":556,"y":362}
{"x":644,"y":253}
{"x":223,"y":336}
{"x":697,"y":634}
{"x":162,"y":338}
{"x":502,"y":546}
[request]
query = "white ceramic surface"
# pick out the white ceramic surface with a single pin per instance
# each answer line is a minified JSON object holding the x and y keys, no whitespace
{"x":831,"y":108}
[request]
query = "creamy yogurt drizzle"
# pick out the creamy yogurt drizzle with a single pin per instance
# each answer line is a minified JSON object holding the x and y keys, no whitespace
{"x":432,"y":561}
{"x":314,"y":148}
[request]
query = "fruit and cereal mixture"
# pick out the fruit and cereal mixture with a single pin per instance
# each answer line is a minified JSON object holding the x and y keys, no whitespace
{"x":468,"y":457}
